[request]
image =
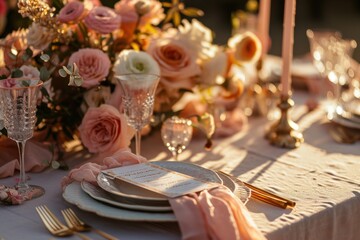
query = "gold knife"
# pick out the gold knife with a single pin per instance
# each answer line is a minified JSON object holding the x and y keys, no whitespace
{"x":263,"y":195}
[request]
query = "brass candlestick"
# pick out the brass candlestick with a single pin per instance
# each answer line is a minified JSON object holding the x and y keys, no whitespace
{"x":285,"y":133}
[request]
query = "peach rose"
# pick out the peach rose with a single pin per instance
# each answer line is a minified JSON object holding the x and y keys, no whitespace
{"x":71,"y":12}
{"x":246,"y":47}
{"x":177,"y":63}
{"x":103,"y":20}
{"x":39,"y":37}
{"x":93,"y":64}
{"x":104,"y":129}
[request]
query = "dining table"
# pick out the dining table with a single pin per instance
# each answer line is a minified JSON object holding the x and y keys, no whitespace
{"x":322,"y":176}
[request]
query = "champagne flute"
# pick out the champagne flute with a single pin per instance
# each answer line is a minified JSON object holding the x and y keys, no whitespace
{"x":19,"y":98}
{"x":176,"y":134}
{"x":138,"y":93}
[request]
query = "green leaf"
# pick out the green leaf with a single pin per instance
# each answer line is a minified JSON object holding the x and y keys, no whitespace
{"x":44,"y":92}
{"x":17,"y":73}
{"x":29,"y":52}
{"x":67,"y":69}
{"x":45,"y":57}
{"x":25,"y":83}
{"x":44,"y":73}
{"x":55,"y":164}
{"x":78,"y":80}
{"x":62,"y":72}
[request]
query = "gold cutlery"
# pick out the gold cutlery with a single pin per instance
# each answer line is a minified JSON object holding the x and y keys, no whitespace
{"x":76,"y":224}
{"x":263,"y":195}
{"x":53,"y":224}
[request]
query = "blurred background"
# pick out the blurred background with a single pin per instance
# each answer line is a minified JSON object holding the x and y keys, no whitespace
{"x":341,"y":15}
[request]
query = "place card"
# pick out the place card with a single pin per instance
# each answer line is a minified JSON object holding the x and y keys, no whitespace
{"x":158,"y":179}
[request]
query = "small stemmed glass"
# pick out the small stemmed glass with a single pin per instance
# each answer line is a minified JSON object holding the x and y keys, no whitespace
{"x":176,"y":134}
{"x":138,"y":92}
{"x":19,"y":98}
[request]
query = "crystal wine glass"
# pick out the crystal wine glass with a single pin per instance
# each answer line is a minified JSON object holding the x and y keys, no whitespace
{"x":138,"y":92}
{"x":176,"y":134}
{"x":19,"y":98}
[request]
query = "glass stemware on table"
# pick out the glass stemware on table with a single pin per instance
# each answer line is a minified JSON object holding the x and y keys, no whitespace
{"x":176,"y":134}
{"x":332,"y":57}
{"x":19,"y":97}
{"x":138,"y":100}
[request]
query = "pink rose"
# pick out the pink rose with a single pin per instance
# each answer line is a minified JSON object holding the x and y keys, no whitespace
{"x":93,"y":64}
{"x":103,"y":20}
{"x":129,"y":10}
{"x":72,"y":11}
{"x":104,"y":129}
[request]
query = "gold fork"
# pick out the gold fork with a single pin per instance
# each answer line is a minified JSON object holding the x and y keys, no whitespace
{"x":76,"y":224}
{"x":53,"y":224}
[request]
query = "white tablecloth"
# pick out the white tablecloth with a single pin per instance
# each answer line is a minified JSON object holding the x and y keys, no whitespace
{"x":322,"y":176}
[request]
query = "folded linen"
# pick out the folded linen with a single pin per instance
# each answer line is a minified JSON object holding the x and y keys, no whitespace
{"x":215,"y":214}
{"x":38,"y":156}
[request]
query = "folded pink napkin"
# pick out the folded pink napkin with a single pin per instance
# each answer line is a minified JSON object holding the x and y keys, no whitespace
{"x":37,"y":154}
{"x":215,"y":214}
{"x":89,"y":171}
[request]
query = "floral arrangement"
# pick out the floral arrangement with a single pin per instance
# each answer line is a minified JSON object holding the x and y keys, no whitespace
{"x":77,"y":47}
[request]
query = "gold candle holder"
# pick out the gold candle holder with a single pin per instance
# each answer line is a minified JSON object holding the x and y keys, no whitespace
{"x":285,"y":133}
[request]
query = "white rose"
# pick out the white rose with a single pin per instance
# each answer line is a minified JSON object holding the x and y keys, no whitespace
{"x":214,"y":69}
{"x":131,"y":61}
{"x":39,"y":37}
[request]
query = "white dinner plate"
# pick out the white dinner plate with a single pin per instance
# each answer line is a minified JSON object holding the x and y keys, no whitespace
{"x":240,"y":190}
{"x":103,"y":196}
{"x":344,"y":120}
{"x":75,"y":195}
{"x":126,"y":191}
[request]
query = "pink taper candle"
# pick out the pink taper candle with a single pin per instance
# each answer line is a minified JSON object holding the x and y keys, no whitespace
{"x":263,"y":25}
{"x":287,"y":47}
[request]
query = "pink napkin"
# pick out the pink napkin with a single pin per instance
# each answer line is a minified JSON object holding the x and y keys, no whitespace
{"x":89,"y":171}
{"x":215,"y":214}
{"x":37,"y":154}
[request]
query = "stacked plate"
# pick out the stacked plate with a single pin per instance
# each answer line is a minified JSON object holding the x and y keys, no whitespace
{"x":117,"y":199}
{"x":347,"y":115}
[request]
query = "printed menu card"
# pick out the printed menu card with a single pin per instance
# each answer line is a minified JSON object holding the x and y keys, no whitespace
{"x":161,"y":180}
